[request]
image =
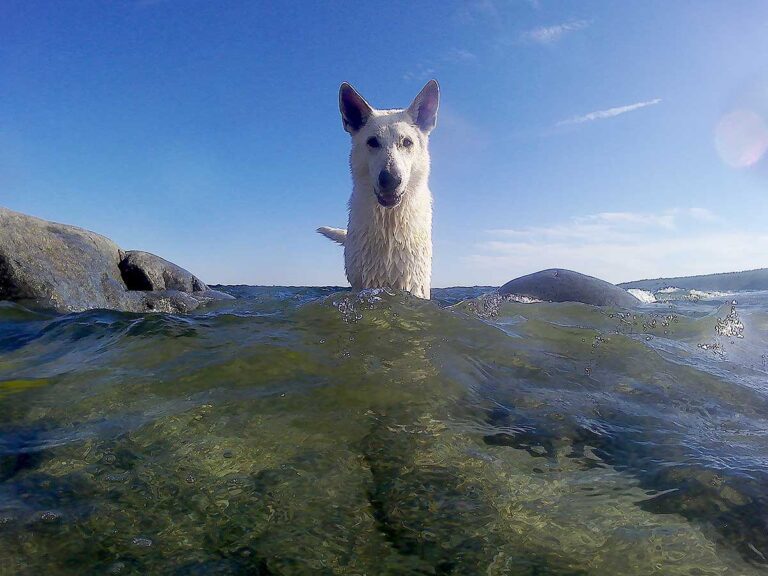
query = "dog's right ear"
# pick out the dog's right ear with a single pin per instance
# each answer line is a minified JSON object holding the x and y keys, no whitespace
{"x":355,"y":111}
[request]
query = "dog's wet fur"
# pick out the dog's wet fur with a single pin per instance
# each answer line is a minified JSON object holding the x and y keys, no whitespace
{"x":388,"y":240}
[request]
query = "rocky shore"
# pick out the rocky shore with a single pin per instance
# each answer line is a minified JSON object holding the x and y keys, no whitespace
{"x":68,"y":269}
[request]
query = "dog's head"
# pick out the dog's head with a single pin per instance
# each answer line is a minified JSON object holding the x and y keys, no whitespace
{"x":391,"y":144}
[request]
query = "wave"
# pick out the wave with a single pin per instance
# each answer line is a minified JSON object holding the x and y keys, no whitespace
{"x":644,"y":296}
{"x":297,"y":430}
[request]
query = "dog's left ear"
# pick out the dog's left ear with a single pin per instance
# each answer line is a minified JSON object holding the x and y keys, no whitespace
{"x":424,"y":107}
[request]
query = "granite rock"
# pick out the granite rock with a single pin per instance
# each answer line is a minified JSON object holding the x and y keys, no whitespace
{"x":559,"y":285}
{"x":57,"y":266}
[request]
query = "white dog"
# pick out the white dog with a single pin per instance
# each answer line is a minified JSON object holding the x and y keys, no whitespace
{"x":388,"y":241}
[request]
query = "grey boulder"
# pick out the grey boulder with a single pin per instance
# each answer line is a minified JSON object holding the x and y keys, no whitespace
{"x":559,"y":285}
{"x":145,"y":271}
{"x":69,"y":269}
{"x":57,"y":266}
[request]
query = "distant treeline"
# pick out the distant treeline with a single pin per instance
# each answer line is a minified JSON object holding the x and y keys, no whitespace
{"x":725,"y":282}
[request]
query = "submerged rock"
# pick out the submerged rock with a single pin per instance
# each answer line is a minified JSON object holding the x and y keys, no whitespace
{"x":69,"y":269}
{"x":559,"y":285}
{"x":170,"y":301}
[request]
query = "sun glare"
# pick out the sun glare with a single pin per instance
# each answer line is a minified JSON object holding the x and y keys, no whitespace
{"x":741,"y":138}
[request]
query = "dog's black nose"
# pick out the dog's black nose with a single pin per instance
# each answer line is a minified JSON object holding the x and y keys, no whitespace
{"x":388,"y":182}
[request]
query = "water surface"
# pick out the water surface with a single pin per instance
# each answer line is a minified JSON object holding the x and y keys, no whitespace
{"x":317,"y":431}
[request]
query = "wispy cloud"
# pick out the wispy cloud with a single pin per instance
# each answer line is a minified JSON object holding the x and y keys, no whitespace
{"x":608,"y":113}
{"x":425,"y":70}
{"x":459,"y":55}
{"x":491,"y":11}
{"x":421,"y":72}
{"x":614,"y":226}
{"x":472,"y":11}
{"x":551,"y":34}
{"x":622,"y":246}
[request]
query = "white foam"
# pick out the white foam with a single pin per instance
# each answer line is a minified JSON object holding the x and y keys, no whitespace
{"x":672,"y":293}
{"x":643,"y":295}
{"x":521,"y":299}
{"x":730,"y":326}
{"x":705,"y":295}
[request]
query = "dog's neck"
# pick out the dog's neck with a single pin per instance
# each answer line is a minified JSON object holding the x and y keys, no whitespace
{"x":390,"y":246}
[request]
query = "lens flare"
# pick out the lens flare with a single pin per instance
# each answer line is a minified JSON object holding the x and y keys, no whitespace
{"x":741,"y":138}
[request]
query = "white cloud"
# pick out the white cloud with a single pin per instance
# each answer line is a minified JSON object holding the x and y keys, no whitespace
{"x":472,"y":11}
{"x":609,"y":113}
{"x":550,"y":34}
{"x":427,"y":69}
{"x":459,"y":55}
{"x":622,"y":246}
{"x":702,"y":214}
{"x":421,"y":73}
{"x":613,"y":224}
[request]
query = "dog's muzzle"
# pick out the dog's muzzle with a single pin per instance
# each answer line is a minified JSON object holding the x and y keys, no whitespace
{"x":387,"y":191}
{"x":389,"y":199}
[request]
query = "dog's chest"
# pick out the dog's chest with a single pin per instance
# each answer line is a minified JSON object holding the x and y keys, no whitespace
{"x":390,"y":250}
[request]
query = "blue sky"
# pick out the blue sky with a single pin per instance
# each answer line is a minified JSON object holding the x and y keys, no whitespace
{"x":623,"y":139}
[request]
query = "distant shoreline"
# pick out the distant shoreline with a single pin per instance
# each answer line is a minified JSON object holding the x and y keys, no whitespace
{"x":724,"y":281}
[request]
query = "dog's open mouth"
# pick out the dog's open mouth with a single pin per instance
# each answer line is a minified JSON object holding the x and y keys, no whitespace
{"x":389,"y":200}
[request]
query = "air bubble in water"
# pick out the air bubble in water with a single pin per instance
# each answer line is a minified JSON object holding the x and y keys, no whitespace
{"x":141,"y":542}
{"x":50,"y":516}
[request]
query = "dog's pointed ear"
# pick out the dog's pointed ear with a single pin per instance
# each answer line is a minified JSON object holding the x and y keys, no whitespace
{"x":424,"y":107}
{"x":355,"y":111}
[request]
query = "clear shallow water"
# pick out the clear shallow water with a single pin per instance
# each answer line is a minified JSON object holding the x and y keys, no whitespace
{"x":312,"y":431}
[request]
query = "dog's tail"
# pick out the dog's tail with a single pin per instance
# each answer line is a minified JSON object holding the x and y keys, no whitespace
{"x":336,"y":234}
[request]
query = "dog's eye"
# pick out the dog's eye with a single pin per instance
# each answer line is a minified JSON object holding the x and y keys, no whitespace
{"x":407,"y":142}
{"x":373,"y":142}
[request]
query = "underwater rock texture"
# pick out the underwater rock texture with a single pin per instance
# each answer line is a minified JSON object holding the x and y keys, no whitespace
{"x":558,"y":285}
{"x":69,"y":269}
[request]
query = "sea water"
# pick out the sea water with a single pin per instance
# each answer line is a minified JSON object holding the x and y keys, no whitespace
{"x":319,"y":431}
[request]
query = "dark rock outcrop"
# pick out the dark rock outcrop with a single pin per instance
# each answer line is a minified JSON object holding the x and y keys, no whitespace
{"x":69,"y":269}
{"x":145,"y":271}
{"x":558,"y":285}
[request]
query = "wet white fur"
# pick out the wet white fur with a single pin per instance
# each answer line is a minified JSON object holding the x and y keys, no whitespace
{"x":390,"y":247}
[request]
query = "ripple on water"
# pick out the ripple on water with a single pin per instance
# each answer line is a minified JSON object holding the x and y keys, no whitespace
{"x":308,"y":431}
